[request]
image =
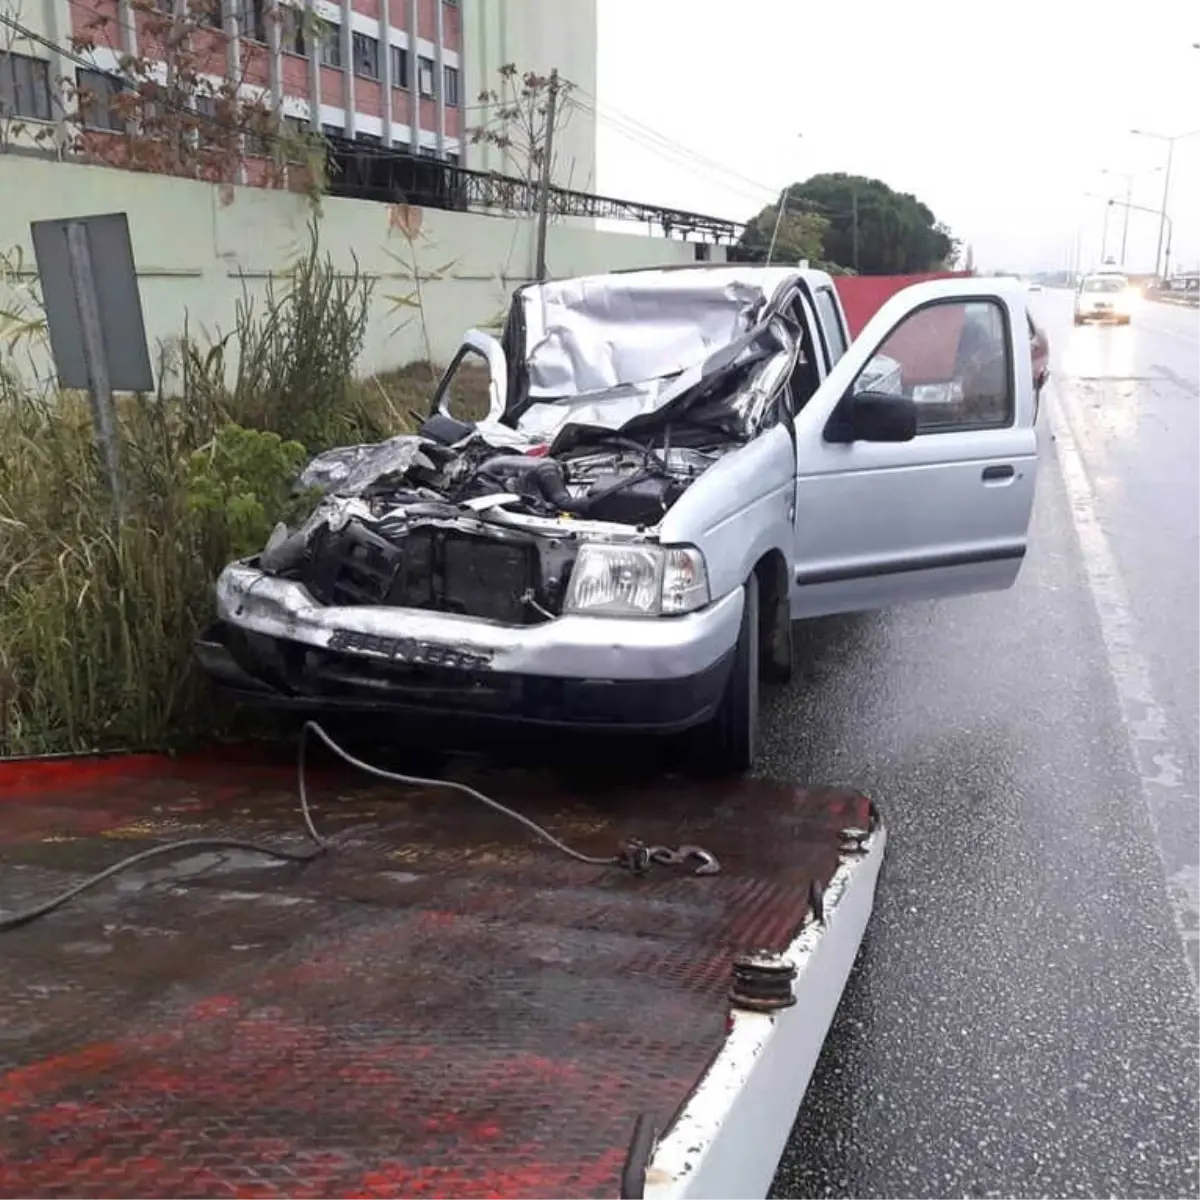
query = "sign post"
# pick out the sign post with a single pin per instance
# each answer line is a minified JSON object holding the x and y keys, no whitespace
{"x":94,"y":315}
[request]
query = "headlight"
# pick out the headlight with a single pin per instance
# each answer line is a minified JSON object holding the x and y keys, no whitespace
{"x":637,"y":581}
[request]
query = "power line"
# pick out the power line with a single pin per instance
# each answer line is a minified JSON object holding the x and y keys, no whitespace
{"x":679,"y":155}
{"x":632,"y":124}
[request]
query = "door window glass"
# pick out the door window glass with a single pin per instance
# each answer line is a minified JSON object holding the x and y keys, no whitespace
{"x":831,"y":323}
{"x":953,"y":359}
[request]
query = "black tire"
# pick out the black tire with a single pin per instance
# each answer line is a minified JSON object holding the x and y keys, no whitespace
{"x":775,"y":633}
{"x":725,"y":745}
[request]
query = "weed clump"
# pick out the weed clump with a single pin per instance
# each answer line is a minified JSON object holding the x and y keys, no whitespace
{"x":97,"y":618}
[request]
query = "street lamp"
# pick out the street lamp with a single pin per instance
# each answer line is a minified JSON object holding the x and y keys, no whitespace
{"x":1170,"y":139}
{"x":1129,"y":177}
{"x":1109,"y":201}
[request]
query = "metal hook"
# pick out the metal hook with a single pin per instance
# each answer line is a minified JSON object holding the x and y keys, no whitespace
{"x":675,"y":858}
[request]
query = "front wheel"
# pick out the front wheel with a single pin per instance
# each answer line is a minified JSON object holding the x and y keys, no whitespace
{"x":725,"y":744}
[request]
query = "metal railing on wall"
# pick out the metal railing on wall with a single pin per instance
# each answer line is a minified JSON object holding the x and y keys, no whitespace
{"x":361,"y":171}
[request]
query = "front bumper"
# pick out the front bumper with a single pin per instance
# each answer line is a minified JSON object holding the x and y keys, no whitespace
{"x":274,"y":644}
{"x":1102,"y":314}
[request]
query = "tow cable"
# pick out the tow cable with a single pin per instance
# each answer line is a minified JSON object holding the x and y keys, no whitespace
{"x":632,"y":855}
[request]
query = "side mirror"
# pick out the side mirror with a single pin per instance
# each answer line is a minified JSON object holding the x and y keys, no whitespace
{"x":882,"y":417}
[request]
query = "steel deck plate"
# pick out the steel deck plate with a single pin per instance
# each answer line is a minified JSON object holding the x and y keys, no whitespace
{"x":444,"y":1007}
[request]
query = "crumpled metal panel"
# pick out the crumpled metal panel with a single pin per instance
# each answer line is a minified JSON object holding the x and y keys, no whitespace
{"x":444,"y":1007}
{"x":600,"y":332}
{"x":350,"y":470}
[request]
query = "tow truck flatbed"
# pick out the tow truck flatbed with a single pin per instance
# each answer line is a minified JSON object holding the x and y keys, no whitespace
{"x":443,"y":1006}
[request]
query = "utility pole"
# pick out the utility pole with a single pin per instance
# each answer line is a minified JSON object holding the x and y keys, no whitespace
{"x":783,"y":203}
{"x":783,"y":200}
{"x":544,"y":183}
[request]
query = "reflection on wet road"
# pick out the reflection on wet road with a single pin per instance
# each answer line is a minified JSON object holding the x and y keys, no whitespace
{"x":1023,"y":1019}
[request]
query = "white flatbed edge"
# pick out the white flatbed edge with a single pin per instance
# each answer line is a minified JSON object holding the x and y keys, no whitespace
{"x":729,"y":1137}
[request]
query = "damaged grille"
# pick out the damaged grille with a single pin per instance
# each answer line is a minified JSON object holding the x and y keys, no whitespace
{"x":438,"y":569}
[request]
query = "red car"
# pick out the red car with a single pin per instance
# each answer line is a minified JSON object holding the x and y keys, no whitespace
{"x":1040,"y":348}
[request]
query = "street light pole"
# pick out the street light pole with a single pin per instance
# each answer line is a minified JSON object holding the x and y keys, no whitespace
{"x":1162,"y":220}
{"x":1129,"y":177}
{"x":1162,"y":216}
{"x":1170,"y":139}
{"x":1125,"y":225}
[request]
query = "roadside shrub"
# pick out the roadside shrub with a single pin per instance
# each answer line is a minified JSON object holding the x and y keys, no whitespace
{"x":240,"y":485}
{"x":97,"y":619}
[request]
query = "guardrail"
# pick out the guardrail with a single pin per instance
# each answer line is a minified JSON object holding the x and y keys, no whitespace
{"x":1187,"y":299}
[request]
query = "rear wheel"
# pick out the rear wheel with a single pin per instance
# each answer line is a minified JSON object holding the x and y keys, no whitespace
{"x":725,"y":745}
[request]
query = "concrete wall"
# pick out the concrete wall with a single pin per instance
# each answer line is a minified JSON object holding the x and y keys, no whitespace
{"x":534,"y":35}
{"x":195,"y":244}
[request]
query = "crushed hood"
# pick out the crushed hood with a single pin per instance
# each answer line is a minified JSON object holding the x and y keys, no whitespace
{"x":609,"y":351}
{"x":604,"y":332}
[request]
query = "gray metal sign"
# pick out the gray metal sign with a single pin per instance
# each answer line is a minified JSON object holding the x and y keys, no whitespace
{"x":102,"y":250}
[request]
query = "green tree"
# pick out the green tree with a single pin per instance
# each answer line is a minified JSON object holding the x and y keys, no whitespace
{"x":801,"y":235}
{"x":868,"y":226}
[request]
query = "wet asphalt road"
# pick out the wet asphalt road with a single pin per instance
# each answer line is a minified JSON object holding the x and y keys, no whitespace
{"x":1023,"y":1019}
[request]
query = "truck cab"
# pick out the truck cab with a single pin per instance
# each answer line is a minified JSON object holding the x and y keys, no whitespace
{"x":674,"y":465}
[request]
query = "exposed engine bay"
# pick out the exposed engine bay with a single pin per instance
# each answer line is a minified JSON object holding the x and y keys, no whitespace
{"x":485,"y":519}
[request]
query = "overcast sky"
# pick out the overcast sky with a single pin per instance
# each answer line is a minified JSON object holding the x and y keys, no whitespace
{"x":997,"y":116}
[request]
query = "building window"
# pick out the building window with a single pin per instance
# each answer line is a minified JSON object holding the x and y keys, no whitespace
{"x":331,"y":47}
{"x":403,"y":147}
{"x":452,"y":158}
{"x":252,"y":19}
{"x":24,"y":87}
{"x":428,"y":152}
{"x":293,"y":38}
{"x":369,"y":139}
{"x":399,"y":66}
{"x":425,"y":75}
{"x":450,"y":90}
{"x":202,"y":12}
{"x":96,"y":92}
{"x":333,"y":131}
{"x":366,"y":56}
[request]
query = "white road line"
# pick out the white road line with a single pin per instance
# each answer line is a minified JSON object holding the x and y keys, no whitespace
{"x":1156,"y":758}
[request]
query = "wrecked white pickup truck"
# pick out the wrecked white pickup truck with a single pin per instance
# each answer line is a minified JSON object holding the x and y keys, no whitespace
{"x":676,"y":464}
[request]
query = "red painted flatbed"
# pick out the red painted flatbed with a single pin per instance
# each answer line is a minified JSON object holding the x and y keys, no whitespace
{"x":444,"y":1006}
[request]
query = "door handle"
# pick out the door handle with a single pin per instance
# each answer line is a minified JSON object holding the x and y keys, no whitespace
{"x":996,"y":473}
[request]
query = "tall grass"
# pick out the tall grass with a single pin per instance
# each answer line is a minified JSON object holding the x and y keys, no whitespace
{"x":97,"y":620}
